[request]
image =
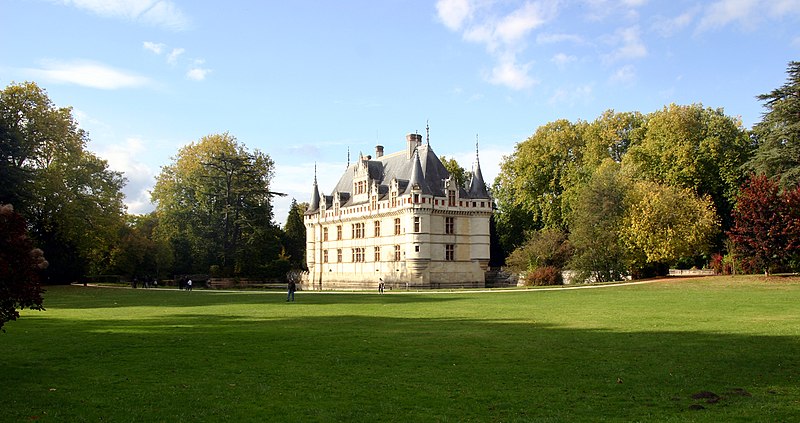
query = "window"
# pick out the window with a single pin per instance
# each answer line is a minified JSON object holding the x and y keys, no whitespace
{"x":374,"y":203}
{"x":396,"y":253}
{"x":324,"y":256}
{"x":449,"y":252}
{"x":324,"y":234}
{"x":416,"y":224}
{"x":416,"y":198}
{"x":339,"y":232}
{"x":451,"y":198}
{"x":358,"y":255}
{"x":449,"y":225}
{"x":416,"y":248}
{"x":377,"y":228}
{"x":358,"y":230}
{"x":339,"y":255}
{"x":377,"y":253}
{"x":394,"y":198}
{"x":397,"y":226}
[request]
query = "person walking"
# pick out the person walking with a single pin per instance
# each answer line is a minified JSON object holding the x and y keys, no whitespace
{"x":380,"y":286}
{"x":189,"y":285}
{"x":290,"y":294}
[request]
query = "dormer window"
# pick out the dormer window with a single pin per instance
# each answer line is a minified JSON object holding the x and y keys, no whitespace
{"x":451,"y":197}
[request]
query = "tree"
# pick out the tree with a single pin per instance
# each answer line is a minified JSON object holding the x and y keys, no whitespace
{"x":778,"y":133}
{"x":295,"y":235}
{"x":611,"y":135}
{"x":214,"y":207}
{"x":71,"y":200}
{"x":20,"y":264}
{"x":460,"y":174}
{"x":766,"y":222}
{"x":664,"y":223}
{"x":139,"y":253}
{"x":697,"y":148}
{"x":596,"y":219}
{"x":532,"y":180}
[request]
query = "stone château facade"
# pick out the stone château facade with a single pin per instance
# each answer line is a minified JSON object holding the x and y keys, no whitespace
{"x":402,"y":218}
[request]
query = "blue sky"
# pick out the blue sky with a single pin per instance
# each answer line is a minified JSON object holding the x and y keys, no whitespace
{"x":303,"y":81}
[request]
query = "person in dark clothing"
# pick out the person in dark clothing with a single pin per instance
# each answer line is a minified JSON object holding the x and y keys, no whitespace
{"x":292,"y":288}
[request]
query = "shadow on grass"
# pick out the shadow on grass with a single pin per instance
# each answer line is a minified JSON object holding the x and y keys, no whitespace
{"x":182,"y":367}
{"x":75,"y":297}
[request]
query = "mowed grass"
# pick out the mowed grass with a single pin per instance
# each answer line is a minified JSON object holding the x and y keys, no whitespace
{"x":632,"y":353}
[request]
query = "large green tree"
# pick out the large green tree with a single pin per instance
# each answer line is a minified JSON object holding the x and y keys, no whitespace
{"x":596,"y":219}
{"x":778,"y":133}
{"x":663,"y":223}
{"x":694,"y":147}
{"x":71,"y":200}
{"x":533,"y":179}
{"x":214,"y":207}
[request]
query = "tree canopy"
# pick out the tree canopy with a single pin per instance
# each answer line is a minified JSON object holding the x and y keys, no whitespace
{"x":214,"y":207}
{"x":778,"y":133}
{"x":73,"y":203}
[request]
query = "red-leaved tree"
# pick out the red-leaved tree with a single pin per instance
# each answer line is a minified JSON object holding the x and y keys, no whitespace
{"x":766,"y":222}
{"x":19,"y":267}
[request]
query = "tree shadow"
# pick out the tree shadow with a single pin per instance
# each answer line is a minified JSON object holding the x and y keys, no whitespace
{"x":367,"y":368}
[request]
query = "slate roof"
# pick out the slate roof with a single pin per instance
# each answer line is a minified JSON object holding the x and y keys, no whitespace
{"x":424,"y":169}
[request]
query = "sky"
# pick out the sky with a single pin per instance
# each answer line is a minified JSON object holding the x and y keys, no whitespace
{"x":306,"y":82}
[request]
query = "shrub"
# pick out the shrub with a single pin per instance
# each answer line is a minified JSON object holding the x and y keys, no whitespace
{"x":717,"y":263}
{"x":544,"y":276}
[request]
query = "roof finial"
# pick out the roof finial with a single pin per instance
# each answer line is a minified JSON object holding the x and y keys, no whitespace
{"x":315,"y":173}
{"x":476,"y":148}
{"x":348,"y":157}
{"x":427,"y":133}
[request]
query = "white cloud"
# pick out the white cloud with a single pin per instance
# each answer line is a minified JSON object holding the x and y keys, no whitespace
{"x":172,"y":57}
{"x":141,"y":177}
{"x":160,"y":13}
{"x":747,"y":13}
{"x":88,"y":74}
{"x":511,"y":74}
{"x":559,"y":38}
{"x":623,"y":75}
{"x":599,"y":10}
{"x":724,"y":12}
{"x":197,"y":74}
{"x":503,"y":35}
{"x":573,"y":95}
{"x":514,"y":27}
{"x":156,"y":48}
{"x":562,"y":59}
{"x":630,"y":46}
{"x":453,"y":12}
{"x":669,"y":26}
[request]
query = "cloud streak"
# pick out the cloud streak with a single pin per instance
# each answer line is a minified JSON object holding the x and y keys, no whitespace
{"x":160,"y":13}
{"x":88,"y":74}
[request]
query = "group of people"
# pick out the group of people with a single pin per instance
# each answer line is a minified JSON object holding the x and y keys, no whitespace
{"x":146,"y":282}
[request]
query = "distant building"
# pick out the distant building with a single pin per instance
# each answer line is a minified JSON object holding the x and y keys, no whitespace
{"x":401,"y":218}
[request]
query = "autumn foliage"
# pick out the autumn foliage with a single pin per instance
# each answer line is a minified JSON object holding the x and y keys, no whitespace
{"x":19,"y":266}
{"x":766,"y":222}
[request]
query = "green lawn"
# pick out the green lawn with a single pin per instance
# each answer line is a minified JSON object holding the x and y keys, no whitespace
{"x":633,"y":353}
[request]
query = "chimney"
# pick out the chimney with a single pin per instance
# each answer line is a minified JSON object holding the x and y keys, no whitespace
{"x":414,"y":141}
{"x":378,"y":151}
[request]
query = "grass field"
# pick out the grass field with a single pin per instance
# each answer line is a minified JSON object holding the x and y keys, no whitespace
{"x":632,"y":353}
